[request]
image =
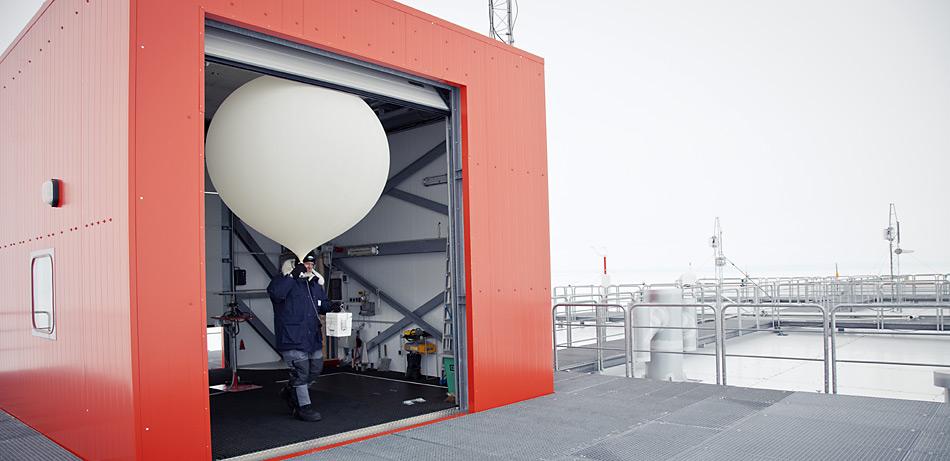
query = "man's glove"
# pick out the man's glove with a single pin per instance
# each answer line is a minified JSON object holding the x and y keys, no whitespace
{"x":336,"y":307}
{"x":298,"y":269}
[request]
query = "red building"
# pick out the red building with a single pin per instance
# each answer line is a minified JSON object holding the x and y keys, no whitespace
{"x":103,"y":344}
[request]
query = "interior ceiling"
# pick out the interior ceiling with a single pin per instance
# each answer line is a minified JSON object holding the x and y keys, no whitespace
{"x":221,"y":80}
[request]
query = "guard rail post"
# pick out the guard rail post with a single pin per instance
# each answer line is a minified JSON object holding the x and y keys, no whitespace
{"x":826,"y":359}
{"x":598,"y":324}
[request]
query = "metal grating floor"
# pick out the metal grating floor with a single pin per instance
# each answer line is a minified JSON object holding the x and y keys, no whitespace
{"x":18,"y":442}
{"x":593,"y":417}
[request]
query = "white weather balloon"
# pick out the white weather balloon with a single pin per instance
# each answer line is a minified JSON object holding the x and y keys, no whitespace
{"x":299,"y":163}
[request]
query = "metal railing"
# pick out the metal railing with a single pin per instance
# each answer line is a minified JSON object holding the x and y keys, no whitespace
{"x":866,"y":319}
{"x":828,"y":291}
{"x":601,"y":324}
{"x":824,"y":324}
{"x":880,"y":327}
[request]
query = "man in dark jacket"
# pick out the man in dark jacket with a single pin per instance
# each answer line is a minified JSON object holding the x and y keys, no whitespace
{"x":299,"y":299}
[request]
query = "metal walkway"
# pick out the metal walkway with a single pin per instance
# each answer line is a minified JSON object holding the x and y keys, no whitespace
{"x":19,"y":442}
{"x":593,"y":417}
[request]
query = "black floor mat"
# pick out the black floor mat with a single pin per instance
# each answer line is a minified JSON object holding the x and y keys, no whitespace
{"x":392,"y":375}
{"x":250,"y":421}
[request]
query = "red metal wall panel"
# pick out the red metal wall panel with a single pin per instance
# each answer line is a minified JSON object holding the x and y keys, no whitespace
{"x":114,"y":106}
{"x":506,"y":215}
{"x":64,"y":114}
{"x":167,"y":196}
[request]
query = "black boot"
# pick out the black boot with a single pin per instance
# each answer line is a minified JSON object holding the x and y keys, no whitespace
{"x":307,"y":413}
{"x":289,"y":395}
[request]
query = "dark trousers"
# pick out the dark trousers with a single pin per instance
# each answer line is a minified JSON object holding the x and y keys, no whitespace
{"x":304,"y":369}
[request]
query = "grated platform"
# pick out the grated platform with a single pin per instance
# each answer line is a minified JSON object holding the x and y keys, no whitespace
{"x":18,"y":442}
{"x":594,"y":417}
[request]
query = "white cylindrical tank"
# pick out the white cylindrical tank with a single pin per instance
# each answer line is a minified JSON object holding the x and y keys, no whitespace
{"x":690,"y":337}
{"x":663,"y":333}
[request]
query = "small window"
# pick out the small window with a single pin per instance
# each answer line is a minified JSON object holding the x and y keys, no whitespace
{"x":44,"y":319}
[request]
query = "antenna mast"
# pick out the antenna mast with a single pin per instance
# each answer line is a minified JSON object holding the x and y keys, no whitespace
{"x":892,"y":233}
{"x":716,"y":243}
{"x":501,"y":21}
{"x":893,"y":236}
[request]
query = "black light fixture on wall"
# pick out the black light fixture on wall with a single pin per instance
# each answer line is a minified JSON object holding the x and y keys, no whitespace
{"x":53,"y":193}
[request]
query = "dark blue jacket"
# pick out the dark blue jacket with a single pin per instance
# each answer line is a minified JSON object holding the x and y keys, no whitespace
{"x":296,"y":306}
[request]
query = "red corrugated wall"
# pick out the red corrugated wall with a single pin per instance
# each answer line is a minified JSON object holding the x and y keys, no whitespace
{"x":507,"y":243}
{"x":152,"y":250}
{"x":64,"y":114}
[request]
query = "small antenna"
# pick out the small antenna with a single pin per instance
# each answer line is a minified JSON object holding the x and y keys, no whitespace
{"x":890,"y":234}
{"x":893,"y":234}
{"x":720,"y":260}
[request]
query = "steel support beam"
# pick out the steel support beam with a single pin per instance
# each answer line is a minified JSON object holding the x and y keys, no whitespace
{"x":387,"y":116}
{"x":405,"y":247}
{"x":247,"y":239}
{"x":412,"y":316}
{"x":415,"y":166}
{"x":439,"y":179}
{"x":252,"y":295}
{"x":395,"y":328}
{"x":258,"y":325}
{"x":419,"y":201}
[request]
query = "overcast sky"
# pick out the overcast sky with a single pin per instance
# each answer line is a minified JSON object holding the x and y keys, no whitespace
{"x":795,"y":121}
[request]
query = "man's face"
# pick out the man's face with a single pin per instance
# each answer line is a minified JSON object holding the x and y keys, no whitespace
{"x":308,"y":265}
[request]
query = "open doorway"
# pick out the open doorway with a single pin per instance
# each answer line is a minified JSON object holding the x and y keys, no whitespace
{"x":398,"y":271}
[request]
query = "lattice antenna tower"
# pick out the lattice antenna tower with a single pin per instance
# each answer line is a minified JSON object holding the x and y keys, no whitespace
{"x":502,"y":15}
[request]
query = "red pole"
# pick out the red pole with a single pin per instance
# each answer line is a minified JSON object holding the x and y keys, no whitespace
{"x":605,"y":265}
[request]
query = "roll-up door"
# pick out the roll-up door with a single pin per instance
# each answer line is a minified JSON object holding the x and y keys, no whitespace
{"x":265,"y":55}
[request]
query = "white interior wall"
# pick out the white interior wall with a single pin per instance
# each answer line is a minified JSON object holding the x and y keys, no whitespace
{"x":256,"y":350}
{"x":410,"y":279}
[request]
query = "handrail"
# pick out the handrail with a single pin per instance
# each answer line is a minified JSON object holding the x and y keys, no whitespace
{"x":834,"y":334}
{"x":824,"y":324}
{"x":829,"y":324}
{"x":628,"y":340}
